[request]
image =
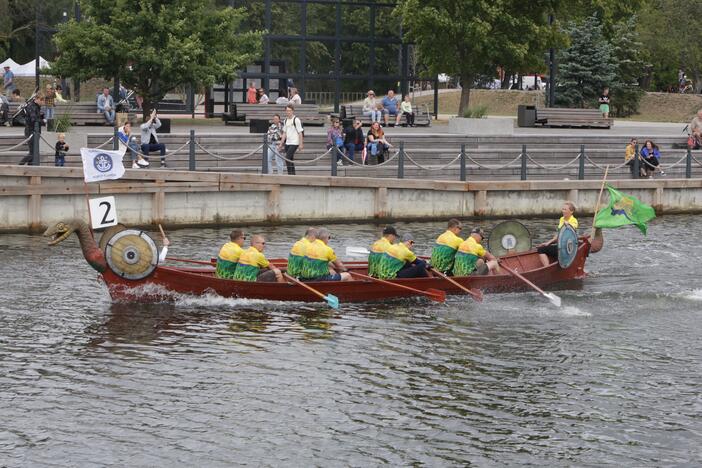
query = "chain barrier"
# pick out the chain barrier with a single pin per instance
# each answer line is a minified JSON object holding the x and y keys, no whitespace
{"x":370,"y":166}
{"x":304,"y":162}
{"x":109,"y":140}
{"x":602,"y":168}
{"x":11,"y":148}
{"x":551,"y":167}
{"x":435,"y":168}
{"x":224,"y":158}
{"x":493,"y":168}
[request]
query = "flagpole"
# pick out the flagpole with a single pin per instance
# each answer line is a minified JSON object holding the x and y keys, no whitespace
{"x":599,"y":199}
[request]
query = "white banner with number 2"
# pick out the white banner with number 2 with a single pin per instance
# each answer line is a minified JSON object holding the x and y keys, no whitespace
{"x":103,"y":212}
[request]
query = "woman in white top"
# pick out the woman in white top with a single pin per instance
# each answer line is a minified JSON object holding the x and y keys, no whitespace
{"x":262,"y":97}
{"x":370,"y":107}
{"x":294,"y":97}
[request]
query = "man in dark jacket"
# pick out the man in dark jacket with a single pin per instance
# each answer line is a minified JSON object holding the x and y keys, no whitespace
{"x":354,"y":139}
{"x":32,"y":115}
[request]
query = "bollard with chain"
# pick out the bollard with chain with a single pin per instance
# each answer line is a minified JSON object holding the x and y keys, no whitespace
{"x":191,"y":148}
{"x":688,"y":163}
{"x":35,"y":144}
{"x":637,"y":167}
{"x":264,"y":155}
{"x":581,"y":165}
{"x":524,"y":163}
{"x":115,"y":139}
{"x":333,"y":155}
{"x":463,"y":163}
{"x":401,"y":161}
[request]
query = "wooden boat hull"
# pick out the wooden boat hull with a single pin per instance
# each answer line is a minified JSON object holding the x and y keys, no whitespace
{"x":167,"y":281}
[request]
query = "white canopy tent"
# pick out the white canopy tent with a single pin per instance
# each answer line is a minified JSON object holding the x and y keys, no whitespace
{"x":10,"y":63}
{"x":28,"y":68}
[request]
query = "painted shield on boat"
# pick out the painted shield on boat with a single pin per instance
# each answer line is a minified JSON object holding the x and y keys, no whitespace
{"x":509,"y":237}
{"x":132,"y":254}
{"x":567,"y":245}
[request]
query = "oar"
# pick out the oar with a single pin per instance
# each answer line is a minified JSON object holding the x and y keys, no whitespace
{"x":357,"y":252}
{"x":185,"y":260}
{"x":477,"y":295}
{"x":433,"y":294}
{"x":555,"y":300}
{"x":331,"y":299}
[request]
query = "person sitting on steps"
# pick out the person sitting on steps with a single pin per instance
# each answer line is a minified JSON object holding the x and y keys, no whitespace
{"x":149,"y":139}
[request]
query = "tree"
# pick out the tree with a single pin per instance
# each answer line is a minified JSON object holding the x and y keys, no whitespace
{"x":586,"y":66}
{"x":153,"y":46}
{"x":467,"y":38}
{"x":628,"y":54}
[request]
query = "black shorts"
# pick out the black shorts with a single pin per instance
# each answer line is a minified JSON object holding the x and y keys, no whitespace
{"x":550,"y":250}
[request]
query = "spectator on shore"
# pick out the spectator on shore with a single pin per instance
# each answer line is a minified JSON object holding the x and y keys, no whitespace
{"x":32,"y":116}
{"x":275,"y":134}
{"x":4,"y":111}
{"x":406,"y":108}
{"x":251,"y":94}
{"x":293,"y":137}
{"x":335,"y":139}
{"x":353,"y":139}
{"x":149,"y":139}
{"x":294,"y":97}
{"x":651,"y":156}
{"x":8,"y":80}
{"x":282,"y":98}
{"x":696,"y":130}
{"x":604,"y":103}
{"x":262,"y":97}
{"x":376,"y":144}
{"x":59,"y":95}
{"x":124,"y":133}
{"x":61,"y":147}
{"x":370,"y":107}
{"x":106,"y":106}
{"x":629,"y":156}
{"x":49,"y":102}
{"x":16,"y":96}
{"x":389,"y":103}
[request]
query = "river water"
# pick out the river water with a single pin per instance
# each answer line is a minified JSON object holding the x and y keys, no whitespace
{"x":612,"y":377}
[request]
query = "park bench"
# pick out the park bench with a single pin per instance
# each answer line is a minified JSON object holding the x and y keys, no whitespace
{"x":308,"y":113}
{"x":422,"y":117}
{"x":562,"y":117}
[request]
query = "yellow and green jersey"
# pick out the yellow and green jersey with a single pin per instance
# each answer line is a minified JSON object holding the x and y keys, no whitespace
{"x":377,"y":250}
{"x":250,"y":263}
{"x":572,"y":221}
{"x":393,"y":260}
{"x":297,"y":257}
{"x":468,"y":254}
{"x":444,"y":251}
{"x":227,"y":260}
{"x":317,"y":258}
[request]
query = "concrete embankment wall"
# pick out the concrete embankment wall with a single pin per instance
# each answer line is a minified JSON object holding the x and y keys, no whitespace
{"x":33,"y":197}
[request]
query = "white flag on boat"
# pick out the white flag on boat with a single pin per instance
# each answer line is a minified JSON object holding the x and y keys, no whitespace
{"x":99,"y":165}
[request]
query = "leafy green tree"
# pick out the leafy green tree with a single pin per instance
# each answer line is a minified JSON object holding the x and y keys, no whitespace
{"x":586,"y":66}
{"x":467,"y":38}
{"x":153,"y":46}
{"x":628,"y":52}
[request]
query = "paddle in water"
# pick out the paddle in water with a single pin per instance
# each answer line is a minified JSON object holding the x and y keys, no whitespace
{"x":555,"y":300}
{"x":433,"y":294}
{"x":331,"y":299}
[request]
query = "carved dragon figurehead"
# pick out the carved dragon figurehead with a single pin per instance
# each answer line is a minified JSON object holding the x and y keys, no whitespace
{"x":93,"y":254}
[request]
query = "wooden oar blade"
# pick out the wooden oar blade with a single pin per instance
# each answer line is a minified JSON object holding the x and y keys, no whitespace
{"x":555,"y":300}
{"x":477,"y":295}
{"x":357,"y":252}
{"x":436,"y":295}
{"x":332,"y":300}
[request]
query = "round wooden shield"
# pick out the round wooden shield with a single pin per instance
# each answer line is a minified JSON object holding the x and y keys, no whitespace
{"x":132,"y":254}
{"x":509,"y":237}
{"x":567,"y":245}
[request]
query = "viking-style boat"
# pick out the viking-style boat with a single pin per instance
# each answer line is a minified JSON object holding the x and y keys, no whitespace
{"x":127,"y":261}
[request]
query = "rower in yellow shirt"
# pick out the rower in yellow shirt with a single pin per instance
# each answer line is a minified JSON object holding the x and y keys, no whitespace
{"x":548,"y":251}
{"x":253,"y":265}
{"x":400,"y":262}
{"x":229,"y":255}
{"x":444,"y":251}
{"x":320,"y":262}
{"x":296,"y":257}
{"x":379,"y":247}
{"x":472,"y":257}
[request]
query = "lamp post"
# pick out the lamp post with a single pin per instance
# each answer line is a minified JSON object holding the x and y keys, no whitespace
{"x":65,"y":92}
{"x":36,"y":45}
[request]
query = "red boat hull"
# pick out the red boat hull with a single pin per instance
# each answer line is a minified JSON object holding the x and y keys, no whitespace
{"x":166,"y":281}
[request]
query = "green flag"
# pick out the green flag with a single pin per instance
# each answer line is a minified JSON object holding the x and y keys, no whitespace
{"x":624,"y":210}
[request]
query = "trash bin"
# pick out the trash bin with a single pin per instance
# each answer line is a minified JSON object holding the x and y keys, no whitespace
{"x":258,"y":126}
{"x":526,"y":116}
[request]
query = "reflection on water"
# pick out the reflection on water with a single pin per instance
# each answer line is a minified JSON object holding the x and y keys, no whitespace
{"x":610,"y":378}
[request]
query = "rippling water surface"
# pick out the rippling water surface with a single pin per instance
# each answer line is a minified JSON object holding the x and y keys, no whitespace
{"x":613,"y":377}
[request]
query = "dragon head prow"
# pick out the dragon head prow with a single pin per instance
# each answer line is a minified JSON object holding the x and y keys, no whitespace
{"x":62,"y":230}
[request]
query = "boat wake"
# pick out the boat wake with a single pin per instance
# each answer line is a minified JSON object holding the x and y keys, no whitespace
{"x":695,"y":295}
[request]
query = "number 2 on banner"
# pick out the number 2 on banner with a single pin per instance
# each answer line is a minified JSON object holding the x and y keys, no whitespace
{"x":103,"y":212}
